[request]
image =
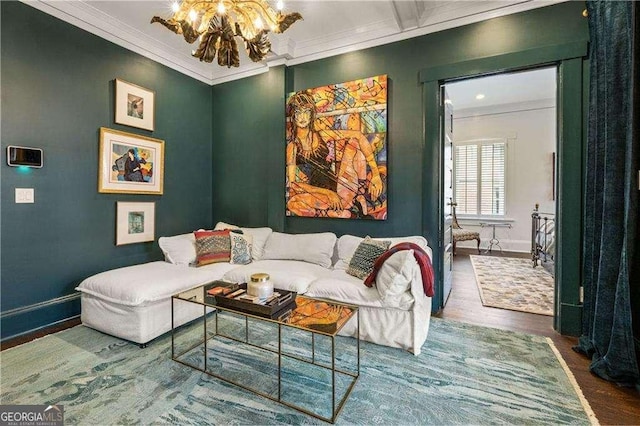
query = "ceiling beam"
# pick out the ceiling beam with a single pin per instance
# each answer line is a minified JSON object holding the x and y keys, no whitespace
{"x":416,"y":12}
{"x":406,"y":14}
{"x":396,"y":15}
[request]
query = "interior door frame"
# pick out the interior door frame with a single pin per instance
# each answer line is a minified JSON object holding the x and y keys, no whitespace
{"x":571,"y":62}
{"x":446,"y":128}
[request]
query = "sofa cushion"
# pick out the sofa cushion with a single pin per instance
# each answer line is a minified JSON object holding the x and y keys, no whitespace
{"x":149,"y":282}
{"x":368,"y":251}
{"x":312,"y":248}
{"x":347,"y":245}
{"x":285,"y":274}
{"x":179,"y":249}
{"x":223,"y":225}
{"x":258,"y":235}
{"x":212,"y":247}
{"x":394,"y":277}
{"x":342,"y":287}
{"x":240,"y":248}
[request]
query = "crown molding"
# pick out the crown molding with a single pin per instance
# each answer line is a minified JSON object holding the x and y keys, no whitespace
{"x":508,"y":108}
{"x":261,"y":69}
{"x":82,"y":15}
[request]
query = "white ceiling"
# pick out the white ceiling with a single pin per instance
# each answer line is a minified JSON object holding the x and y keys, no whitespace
{"x":329,"y":28}
{"x":527,"y":87}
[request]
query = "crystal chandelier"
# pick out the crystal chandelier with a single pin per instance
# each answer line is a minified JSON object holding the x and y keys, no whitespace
{"x":217,"y":24}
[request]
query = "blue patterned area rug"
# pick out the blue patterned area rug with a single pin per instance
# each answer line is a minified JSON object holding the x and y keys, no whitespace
{"x":465,"y":375}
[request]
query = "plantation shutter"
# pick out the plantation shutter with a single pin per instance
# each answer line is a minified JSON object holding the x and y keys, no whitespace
{"x":466,"y":179}
{"x":492,"y":179}
{"x":480,"y":178}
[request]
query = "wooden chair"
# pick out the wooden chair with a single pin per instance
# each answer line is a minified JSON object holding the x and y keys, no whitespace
{"x":460,"y":234}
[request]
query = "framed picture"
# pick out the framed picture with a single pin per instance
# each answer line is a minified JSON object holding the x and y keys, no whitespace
{"x":135,"y":222}
{"x":130,"y":163}
{"x":135,"y":105}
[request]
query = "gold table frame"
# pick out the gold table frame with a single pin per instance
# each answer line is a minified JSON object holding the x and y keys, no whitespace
{"x":197,"y":296}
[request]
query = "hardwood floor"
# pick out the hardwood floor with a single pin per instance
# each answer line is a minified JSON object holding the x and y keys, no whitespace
{"x":40,"y":333}
{"x":613,"y":405}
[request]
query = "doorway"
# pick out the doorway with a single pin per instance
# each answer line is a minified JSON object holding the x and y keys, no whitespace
{"x":500,"y":143}
{"x":572,"y":97}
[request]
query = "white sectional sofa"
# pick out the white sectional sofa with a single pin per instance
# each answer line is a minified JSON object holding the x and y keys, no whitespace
{"x":134,"y":303}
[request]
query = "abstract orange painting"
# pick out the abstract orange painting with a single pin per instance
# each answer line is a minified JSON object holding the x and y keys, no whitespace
{"x":336,"y":150}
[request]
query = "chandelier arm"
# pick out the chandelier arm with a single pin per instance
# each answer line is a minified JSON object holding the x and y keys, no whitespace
{"x":179,"y":27}
{"x":262,"y":8}
{"x":228,"y":53}
{"x":246,"y":21}
{"x":207,"y":7}
{"x":258,"y":47}
{"x":170,"y":24}
{"x":207,"y":50}
{"x":285,"y":21}
{"x":189,"y":33}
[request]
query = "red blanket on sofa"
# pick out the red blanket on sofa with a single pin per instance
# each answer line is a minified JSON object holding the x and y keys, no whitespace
{"x":424,"y":262}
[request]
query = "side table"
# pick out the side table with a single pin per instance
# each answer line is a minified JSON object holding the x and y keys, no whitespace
{"x":494,"y":241}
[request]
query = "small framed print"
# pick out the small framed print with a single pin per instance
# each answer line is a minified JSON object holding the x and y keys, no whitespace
{"x":135,"y":222}
{"x":135,"y":105}
{"x":130,"y":163}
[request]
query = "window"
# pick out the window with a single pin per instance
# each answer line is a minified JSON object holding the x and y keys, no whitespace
{"x":479,"y":185}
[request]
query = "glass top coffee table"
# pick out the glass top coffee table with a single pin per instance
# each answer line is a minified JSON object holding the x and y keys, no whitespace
{"x":293,"y":356}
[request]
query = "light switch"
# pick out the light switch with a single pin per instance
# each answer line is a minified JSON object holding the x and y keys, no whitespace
{"x":24,"y":195}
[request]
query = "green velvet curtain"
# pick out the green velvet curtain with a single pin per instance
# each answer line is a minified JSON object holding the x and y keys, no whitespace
{"x":611,"y":199}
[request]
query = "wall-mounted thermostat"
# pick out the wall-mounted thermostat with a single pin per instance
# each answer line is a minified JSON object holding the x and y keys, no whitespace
{"x":24,"y":156}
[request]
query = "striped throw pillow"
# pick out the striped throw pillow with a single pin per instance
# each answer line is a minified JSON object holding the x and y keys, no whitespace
{"x":212,"y":247}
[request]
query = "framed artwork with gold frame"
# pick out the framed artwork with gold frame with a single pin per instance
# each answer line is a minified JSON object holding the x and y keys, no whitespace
{"x":135,"y":222}
{"x":130,"y":164}
{"x":135,"y":105}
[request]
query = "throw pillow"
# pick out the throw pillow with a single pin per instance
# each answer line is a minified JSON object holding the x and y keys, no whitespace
{"x":259,"y":235}
{"x":179,"y":249}
{"x":240,"y":248}
{"x":347,"y":245}
{"x":212,"y":247}
{"x":361,"y":264}
{"x":222,"y":225}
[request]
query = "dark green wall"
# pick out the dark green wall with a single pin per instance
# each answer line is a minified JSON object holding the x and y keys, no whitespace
{"x":527,"y":39}
{"x":248,"y":122}
{"x":57,"y":91}
{"x":224,"y":145}
{"x":402,"y":62}
{"x":404,"y":135}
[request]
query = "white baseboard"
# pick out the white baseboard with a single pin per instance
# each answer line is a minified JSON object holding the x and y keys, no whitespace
{"x":518,"y":246}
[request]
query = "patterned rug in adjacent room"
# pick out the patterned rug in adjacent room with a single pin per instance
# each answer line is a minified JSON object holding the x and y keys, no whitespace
{"x":513,"y":283}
